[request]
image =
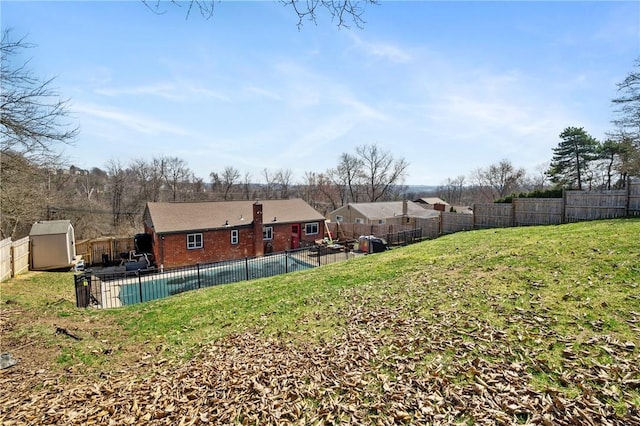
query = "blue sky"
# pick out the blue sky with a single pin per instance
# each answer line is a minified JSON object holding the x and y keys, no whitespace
{"x":449,"y":86}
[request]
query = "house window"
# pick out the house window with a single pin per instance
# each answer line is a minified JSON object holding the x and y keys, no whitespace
{"x":194,"y":241}
{"x":381,"y":221}
{"x":267,"y":233}
{"x":359,"y":220}
{"x":234,"y":236}
{"x":311,"y":228}
{"x":339,"y":218}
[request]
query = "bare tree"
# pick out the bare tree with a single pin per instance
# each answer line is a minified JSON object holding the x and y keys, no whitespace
{"x":118,"y":183}
{"x":283,"y":179}
{"x":23,"y":197}
{"x":268,"y":189}
{"x":320,"y":192}
{"x":538,"y":179}
{"x":380,"y":172}
{"x":498,"y":180}
{"x":347,"y":177}
{"x":33,"y":117}
{"x":178,"y":176}
{"x":627,"y":114}
{"x":342,"y":12}
{"x":451,"y":191}
{"x":627,"y":122}
{"x":230,"y":178}
{"x":34,"y":120}
{"x":246,"y":187}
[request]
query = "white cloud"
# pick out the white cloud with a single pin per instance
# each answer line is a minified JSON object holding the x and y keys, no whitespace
{"x":162,"y":90}
{"x":383,"y":50}
{"x":265,"y":93}
{"x":180,"y":91}
{"x":138,"y":123}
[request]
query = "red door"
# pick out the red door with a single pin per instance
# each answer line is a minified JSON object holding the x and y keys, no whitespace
{"x":295,"y":236}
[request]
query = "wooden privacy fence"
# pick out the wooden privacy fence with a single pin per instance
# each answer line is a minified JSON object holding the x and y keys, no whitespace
{"x":92,"y":251}
{"x":14,"y":257}
{"x":574,"y":206}
{"x":351,"y":231}
{"x":454,"y":222}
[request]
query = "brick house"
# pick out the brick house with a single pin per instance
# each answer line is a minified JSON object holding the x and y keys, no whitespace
{"x":205,"y":232}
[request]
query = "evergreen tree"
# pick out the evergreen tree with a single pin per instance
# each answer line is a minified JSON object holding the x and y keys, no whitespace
{"x":572,"y":156}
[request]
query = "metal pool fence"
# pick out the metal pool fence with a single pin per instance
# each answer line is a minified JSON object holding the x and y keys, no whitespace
{"x":116,"y":287}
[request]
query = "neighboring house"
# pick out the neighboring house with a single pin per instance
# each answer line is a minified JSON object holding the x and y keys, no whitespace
{"x":205,"y":232}
{"x":433,"y":203}
{"x":382,"y":213}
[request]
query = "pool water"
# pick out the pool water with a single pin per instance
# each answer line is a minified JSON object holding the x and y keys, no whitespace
{"x":157,"y":286}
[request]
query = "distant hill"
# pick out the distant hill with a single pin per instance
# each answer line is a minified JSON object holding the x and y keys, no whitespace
{"x":419,"y":189}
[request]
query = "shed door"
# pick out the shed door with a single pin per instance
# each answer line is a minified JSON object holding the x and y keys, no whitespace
{"x":295,"y":236}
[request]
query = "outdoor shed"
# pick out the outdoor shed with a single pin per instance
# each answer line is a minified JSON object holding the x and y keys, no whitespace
{"x":52,"y":245}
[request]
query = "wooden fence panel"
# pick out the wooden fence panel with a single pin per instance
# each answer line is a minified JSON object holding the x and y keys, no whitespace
{"x":430,"y":227}
{"x":593,"y":205}
{"x":92,"y":250}
{"x":537,"y":211}
{"x":5,"y":259}
{"x":14,"y":257}
{"x":634,"y":199}
{"x":20,"y":256}
{"x":493,"y":215}
{"x":455,"y":222}
{"x":352,"y":231}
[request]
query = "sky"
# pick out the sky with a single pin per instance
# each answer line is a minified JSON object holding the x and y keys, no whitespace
{"x":448,"y":86}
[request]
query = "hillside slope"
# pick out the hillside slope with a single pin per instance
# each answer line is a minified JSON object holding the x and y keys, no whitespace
{"x":535,"y":325}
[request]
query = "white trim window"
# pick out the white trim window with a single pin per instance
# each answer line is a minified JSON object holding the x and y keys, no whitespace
{"x":311,"y":228}
{"x":381,"y":221}
{"x":235,"y":236}
{"x":267,"y":233}
{"x":339,"y":218}
{"x":359,"y":220}
{"x":194,"y":241}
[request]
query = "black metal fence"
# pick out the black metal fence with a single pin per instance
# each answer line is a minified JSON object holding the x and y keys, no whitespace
{"x":404,"y":237}
{"x":115,"y":287}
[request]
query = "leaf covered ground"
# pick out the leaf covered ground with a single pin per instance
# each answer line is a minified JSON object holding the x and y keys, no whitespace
{"x":519,"y":326}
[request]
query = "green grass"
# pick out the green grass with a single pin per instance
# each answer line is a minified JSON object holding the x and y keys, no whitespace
{"x":534,"y":290}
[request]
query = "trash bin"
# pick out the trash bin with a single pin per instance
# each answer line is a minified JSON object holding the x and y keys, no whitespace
{"x":372,"y":244}
{"x":82,"y":290}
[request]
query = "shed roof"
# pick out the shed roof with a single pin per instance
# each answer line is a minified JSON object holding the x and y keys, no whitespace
{"x":50,"y":227}
{"x":389,"y":209}
{"x":181,"y":217}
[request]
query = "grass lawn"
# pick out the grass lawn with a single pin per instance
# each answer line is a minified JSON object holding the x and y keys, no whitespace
{"x":501,"y":326}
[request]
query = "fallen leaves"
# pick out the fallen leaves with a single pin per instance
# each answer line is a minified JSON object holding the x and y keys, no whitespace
{"x":387,"y":365}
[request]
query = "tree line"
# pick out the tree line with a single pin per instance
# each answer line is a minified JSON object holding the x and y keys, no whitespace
{"x":37,"y":184}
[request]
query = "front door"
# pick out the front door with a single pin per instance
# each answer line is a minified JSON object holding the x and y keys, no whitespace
{"x":295,"y":236}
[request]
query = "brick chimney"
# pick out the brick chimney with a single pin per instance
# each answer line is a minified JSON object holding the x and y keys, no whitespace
{"x":405,"y":211}
{"x":258,"y":240}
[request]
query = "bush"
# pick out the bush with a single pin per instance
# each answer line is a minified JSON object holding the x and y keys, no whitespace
{"x":546,"y":193}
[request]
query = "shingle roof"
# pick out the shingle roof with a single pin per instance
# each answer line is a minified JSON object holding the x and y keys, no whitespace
{"x":179,"y":217}
{"x":432,"y":200}
{"x":50,"y":227}
{"x":388,"y":209}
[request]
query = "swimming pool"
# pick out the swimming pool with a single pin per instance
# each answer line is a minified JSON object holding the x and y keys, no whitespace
{"x":163,"y":284}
